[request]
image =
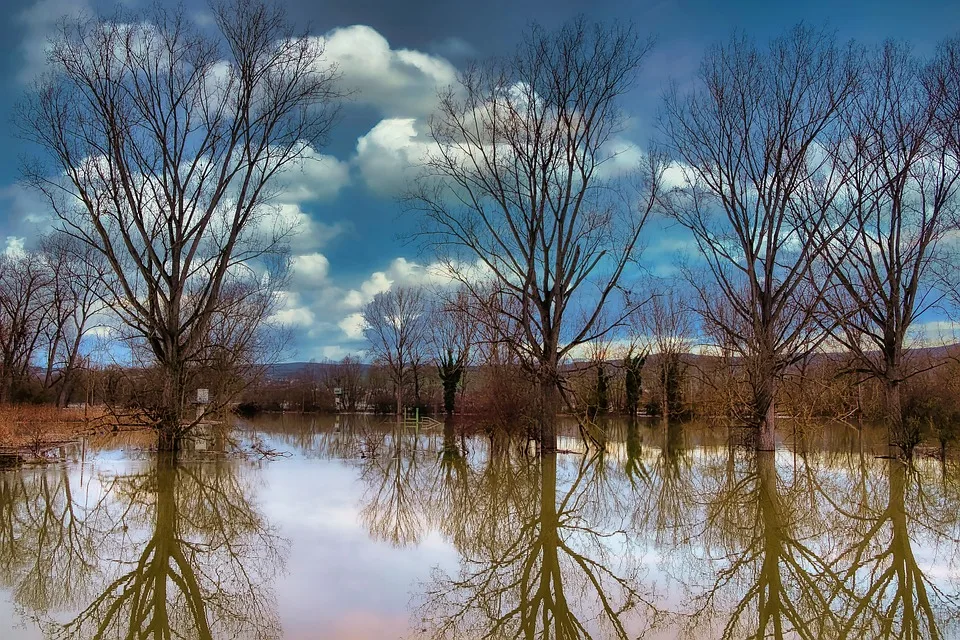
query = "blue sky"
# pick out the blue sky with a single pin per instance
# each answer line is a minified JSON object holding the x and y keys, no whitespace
{"x":394,"y":55}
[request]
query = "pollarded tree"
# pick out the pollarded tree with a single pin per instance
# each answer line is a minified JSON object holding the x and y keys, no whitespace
{"x":518,"y":181}
{"x":753,"y":143}
{"x":163,"y":140}
{"x":453,"y":333}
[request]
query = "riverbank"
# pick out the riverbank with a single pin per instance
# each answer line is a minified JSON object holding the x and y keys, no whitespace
{"x":30,"y":431}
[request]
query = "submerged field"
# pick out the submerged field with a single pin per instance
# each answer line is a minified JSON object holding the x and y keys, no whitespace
{"x":363,"y":530}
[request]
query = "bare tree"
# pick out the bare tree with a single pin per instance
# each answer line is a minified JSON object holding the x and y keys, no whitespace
{"x":25,"y":288}
{"x":75,"y":301}
{"x":396,"y":327}
{"x":518,"y":182}
{"x":348,"y":376}
{"x":901,"y":191}
{"x":750,"y":142}
{"x":665,"y":325}
{"x":168,"y":138}
{"x":453,"y":333}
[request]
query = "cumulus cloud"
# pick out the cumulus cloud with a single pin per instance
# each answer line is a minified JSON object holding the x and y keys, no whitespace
{"x":353,"y":326}
{"x":310,"y":271}
{"x":315,"y":177}
{"x":401,"y":272}
{"x":38,"y":23}
{"x":306,"y":233}
{"x":292,"y":311}
{"x":394,"y":81}
{"x":388,"y":154}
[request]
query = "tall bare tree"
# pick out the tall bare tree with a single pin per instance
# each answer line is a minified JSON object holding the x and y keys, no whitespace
{"x":163,"y":140}
{"x":397,"y":329}
{"x":901,"y":191}
{"x":518,"y":181}
{"x":752,"y":142}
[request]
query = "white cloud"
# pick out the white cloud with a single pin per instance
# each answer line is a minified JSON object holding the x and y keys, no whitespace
{"x":307,"y":234}
{"x":14,"y":247}
{"x":336,"y":352}
{"x":39,"y":23}
{"x":388,"y":155}
{"x":310,"y":271}
{"x":316,"y":177}
{"x":395,"y":81}
{"x":401,"y":272}
{"x":292,"y":312}
{"x":353,"y":326}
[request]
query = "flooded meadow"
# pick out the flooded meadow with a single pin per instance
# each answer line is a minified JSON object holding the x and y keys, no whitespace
{"x":353,"y":528}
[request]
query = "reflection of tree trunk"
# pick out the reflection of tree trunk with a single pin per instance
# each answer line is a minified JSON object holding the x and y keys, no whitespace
{"x":674,"y":442}
{"x":168,"y":562}
{"x":910,"y":581}
{"x":549,"y":594}
{"x":634,"y":463}
{"x":451,"y":450}
{"x":771,"y":581}
{"x":398,"y":390}
{"x":895,"y":602}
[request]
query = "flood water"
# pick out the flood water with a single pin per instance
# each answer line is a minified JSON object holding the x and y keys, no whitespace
{"x":363,"y":530}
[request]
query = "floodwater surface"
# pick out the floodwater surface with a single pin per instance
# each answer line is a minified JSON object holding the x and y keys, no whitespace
{"x":366,"y":530}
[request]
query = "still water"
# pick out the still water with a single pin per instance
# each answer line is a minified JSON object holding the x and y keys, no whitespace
{"x":363,"y":530}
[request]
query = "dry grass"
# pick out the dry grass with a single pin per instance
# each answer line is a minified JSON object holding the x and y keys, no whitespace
{"x":35,"y":427}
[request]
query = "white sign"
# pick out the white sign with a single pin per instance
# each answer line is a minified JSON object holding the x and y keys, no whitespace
{"x":203,"y":396}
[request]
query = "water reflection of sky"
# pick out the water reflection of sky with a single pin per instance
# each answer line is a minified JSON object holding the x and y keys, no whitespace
{"x":367,"y":533}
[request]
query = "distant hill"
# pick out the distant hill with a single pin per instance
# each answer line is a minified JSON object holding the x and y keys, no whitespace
{"x":291,"y":370}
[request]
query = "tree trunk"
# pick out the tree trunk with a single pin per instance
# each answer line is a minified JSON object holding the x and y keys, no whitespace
{"x":664,"y":389}
{"x":891,"y":402}
{"x":899,"y":434}
{"x":767,"y":416}
{"x":170,"y":424}
{"x":66,"y":388}
{"x":549,"y":399}
{"x":399,"y":393}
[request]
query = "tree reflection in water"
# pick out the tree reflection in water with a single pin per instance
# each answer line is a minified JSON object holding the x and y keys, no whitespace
{"x":177,"y":550}
{"x":818,"y":548}
{"x":765,"y":545}
{"x":745,"y":544}
{"x":47,"y":549}
{"x":533,"y":566}
{"x":666,"y":531}
{"x":888,"y":594}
